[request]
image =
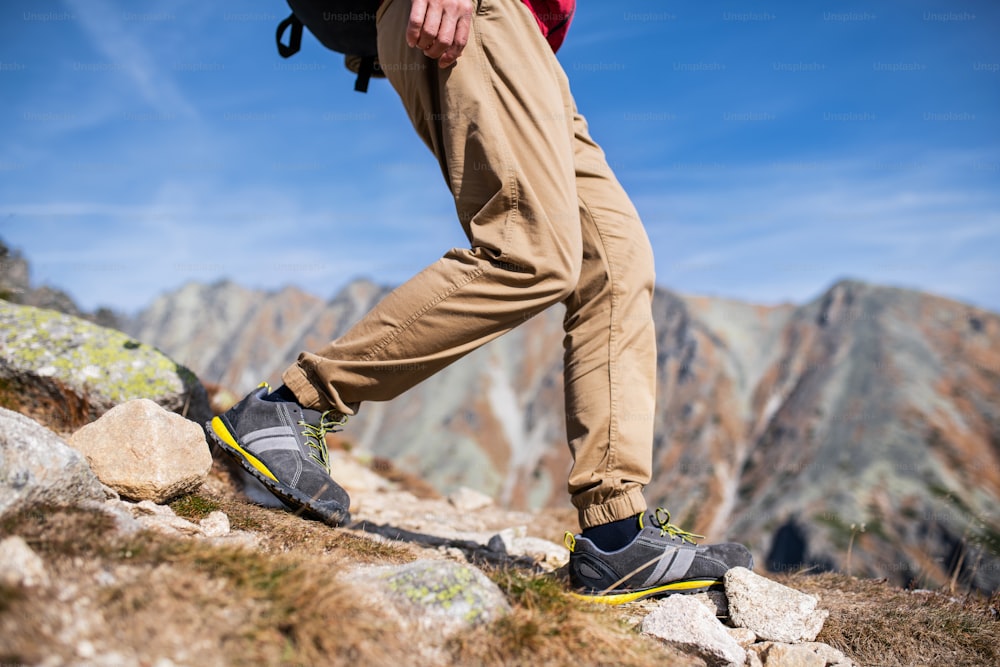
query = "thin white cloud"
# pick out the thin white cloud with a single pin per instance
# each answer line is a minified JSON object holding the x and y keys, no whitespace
{"x":122,"y":37}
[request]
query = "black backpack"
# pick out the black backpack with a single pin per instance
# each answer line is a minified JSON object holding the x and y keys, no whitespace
{"x":344,"y":26}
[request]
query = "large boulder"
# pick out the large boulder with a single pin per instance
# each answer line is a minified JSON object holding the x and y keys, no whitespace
{"x":144,"y":452}
{"x":66,"y":372}
{"x":38,"y":469}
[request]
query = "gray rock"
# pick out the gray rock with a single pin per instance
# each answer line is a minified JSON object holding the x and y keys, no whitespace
{"x":65,"y":371}
{"x":688,"y":624}
{"x":144,"y":452}
{"x":38,"y":468}
{"x":19,"y":565}
{"x":774,"y":612}
{"x":437,"y":596}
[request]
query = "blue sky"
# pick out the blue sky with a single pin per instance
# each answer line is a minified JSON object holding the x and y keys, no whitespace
{"x":770,"y":147}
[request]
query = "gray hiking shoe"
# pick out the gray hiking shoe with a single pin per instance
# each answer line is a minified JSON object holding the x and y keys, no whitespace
{"x":283,"y":445}
{"x":661,"y":560}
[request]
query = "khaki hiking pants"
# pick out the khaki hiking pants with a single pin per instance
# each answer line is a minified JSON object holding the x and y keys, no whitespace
{"x":547,"y":222}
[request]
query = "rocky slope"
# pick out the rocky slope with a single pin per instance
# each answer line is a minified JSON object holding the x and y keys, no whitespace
{"x":858,"y":431}
{"x":94,"y":572}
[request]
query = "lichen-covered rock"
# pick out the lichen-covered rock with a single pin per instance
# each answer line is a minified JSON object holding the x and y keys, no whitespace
{"x":432,"y":599}
{"x":144,"y":452}
{"x":37,"y":468}
{"x":447,"y":590}
{"x":65,"y":372}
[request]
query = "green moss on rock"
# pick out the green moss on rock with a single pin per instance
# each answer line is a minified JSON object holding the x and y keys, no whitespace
{"x":46,"y":356}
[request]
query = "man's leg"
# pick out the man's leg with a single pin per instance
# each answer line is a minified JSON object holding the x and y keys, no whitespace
{"x":610,"y":360}
{"x":500,"y":123}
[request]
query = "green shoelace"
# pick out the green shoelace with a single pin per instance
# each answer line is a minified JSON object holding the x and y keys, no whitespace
{"x":661,"y":519}
{"x":316,"y":436}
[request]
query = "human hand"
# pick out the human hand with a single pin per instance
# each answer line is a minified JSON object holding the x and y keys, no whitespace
{"x":440,"y":28}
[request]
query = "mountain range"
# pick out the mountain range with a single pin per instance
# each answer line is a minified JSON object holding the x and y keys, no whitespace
{"x":859,"y":431}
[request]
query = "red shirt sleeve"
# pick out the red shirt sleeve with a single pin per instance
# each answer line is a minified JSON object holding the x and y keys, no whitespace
{"x":553,"y":17}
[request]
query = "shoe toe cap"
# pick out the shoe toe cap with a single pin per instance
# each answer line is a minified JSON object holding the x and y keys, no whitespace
{"x":732,"y":554}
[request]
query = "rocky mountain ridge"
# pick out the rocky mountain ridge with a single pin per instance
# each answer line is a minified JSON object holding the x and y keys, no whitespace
{"x":858,"y":431}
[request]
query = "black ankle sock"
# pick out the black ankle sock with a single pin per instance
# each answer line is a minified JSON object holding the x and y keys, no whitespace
{"x":614,"y":535}
{"x":282,"y":393}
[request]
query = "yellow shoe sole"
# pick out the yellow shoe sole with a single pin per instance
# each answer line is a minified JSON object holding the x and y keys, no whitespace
{"x":613,"y":598}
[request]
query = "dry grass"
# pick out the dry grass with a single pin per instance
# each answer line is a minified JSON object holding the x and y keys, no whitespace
{"x":878,"y":624}
{"x":147,"y":596}
{"x":549,"y":627}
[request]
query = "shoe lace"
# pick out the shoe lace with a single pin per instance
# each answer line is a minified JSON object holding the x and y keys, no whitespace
{"x":661,"y":519}
{"x":315,"y":435}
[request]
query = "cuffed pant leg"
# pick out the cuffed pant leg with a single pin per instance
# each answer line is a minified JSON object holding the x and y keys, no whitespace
{"x":610,"y":360}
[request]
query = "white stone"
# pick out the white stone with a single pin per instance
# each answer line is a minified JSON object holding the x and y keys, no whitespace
{"x":145,"y":507}
{"x":85,"y":649}
{"x":469,"y":500}
{"x":510,"y":535}
{"x":831,"y":655}
{"x":688,"y":625}
{"x":753,"y":658}
{"x":216,"y":524}
{"x":774,"y":612}
{"x":145,"y":452}
{"x":547,"y":554}
{"x":170,"y":525}
{"x":778,"y":654}
{"x":19,"y":565}
{"x":743,"y":636}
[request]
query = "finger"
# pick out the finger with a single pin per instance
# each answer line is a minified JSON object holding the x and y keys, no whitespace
{"x":463,"y":29}
{"x":418,"y":9}
{"x":445,"y":37}
{"x":431,"y":27}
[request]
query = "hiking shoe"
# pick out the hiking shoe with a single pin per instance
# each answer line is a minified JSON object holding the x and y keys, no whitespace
{"x":283,"y":445}
{"x":661,"y":560}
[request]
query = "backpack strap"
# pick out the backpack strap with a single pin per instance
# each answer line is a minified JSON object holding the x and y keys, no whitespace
{"x":365,"y":70}
{"x":294,"y":40}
